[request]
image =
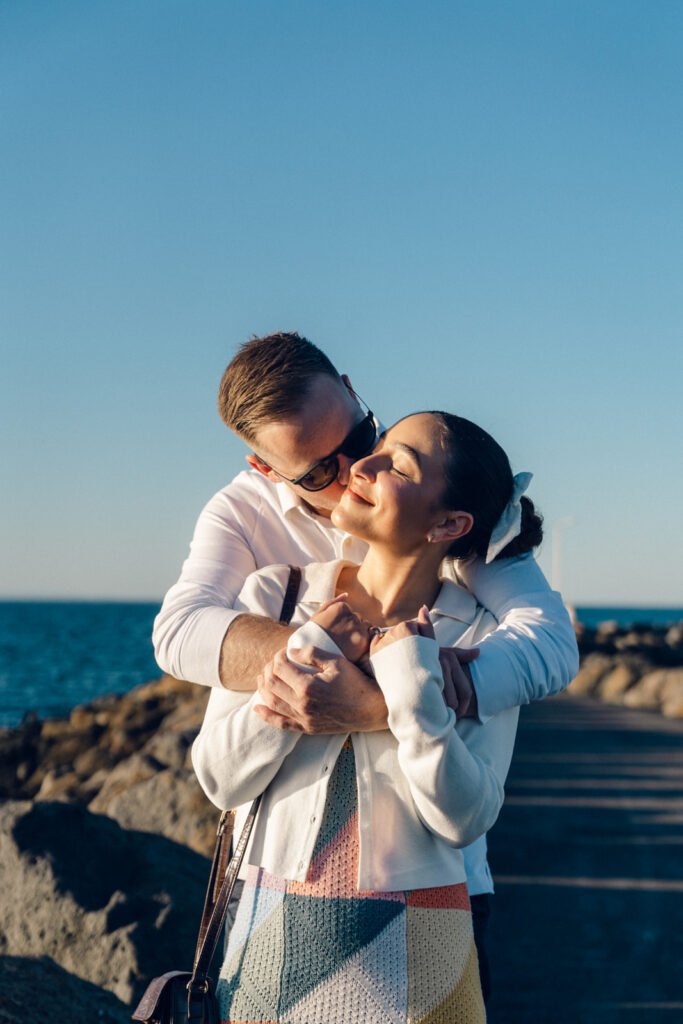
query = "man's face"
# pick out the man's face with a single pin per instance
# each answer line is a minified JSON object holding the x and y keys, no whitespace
{"x":291,"y":447}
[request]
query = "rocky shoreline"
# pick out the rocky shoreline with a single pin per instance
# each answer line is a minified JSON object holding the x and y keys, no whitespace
{"x":640,"y":667}
{"x":105,"y":831}
{"x":104,"y":841}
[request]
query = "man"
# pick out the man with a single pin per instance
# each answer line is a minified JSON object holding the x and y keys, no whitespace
{"x":306,"y":426}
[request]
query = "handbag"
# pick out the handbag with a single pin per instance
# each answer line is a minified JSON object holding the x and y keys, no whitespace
{"x":189,"y":997}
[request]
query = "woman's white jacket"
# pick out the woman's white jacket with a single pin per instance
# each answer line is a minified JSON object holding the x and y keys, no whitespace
{"x":427,"y":785}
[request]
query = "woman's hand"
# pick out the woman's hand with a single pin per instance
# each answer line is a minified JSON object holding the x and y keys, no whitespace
{"x":350,"y":633}
{"x":420,"y":626}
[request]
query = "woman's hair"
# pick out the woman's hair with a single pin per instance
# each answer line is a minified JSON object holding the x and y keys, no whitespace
{"x":479,"y":481}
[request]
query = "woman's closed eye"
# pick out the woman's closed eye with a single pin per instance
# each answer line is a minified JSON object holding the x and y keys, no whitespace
{"x":403,"y":467}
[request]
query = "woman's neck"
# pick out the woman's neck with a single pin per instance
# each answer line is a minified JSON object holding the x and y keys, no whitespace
{"x":387,"y":588}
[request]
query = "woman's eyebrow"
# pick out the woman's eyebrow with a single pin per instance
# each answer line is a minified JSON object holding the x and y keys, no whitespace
{"x":410,"y":451}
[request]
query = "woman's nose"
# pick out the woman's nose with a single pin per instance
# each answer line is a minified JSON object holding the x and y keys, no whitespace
{"x":365,"y":467}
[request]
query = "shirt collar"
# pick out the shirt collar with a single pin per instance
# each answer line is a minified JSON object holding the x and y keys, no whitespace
{"x":292,"y":505}
{"x":455,"y":602}
{"x":319,"y":580}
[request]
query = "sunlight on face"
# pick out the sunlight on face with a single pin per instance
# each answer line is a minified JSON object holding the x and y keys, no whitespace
{"x":394,"y":494}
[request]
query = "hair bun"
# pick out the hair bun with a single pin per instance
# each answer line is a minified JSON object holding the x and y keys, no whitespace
{"x":530,"y":535}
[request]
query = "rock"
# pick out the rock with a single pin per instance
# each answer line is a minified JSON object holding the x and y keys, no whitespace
{"x":59,"y":785}
{"x":593,"y":668}
{"x":93,"y":759}
{"x":170,"y":803}
{"x":113,"y":907}
{"x":674,"y":635}
{"x":616,"y":682}
{"x":647,"y":692}
{"x":169,"y":748}
{"x":127,"y":773}
{"x":36,"y":989}
{"x":672,"y":694}
{"x":608,"y":628}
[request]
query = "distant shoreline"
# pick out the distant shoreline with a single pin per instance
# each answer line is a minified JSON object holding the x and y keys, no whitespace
{"x":56,"y":655}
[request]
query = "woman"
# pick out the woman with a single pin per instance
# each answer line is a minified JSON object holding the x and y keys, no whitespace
{"x":355,"y":905}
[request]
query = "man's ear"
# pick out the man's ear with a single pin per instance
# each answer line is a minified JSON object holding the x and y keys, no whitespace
{"x":261,"y":467}
{"x":452,"y":526}
{"x":349,"y":387}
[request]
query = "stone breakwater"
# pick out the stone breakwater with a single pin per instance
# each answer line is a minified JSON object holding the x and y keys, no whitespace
{"x":104,"y":831}
{"x":104,"y":835}
{"x":640,"y":667}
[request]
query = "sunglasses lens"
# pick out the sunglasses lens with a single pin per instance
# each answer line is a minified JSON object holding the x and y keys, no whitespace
{"x":321,"y":475}
{"x":361,"y":439}
{"x":357,"y":443}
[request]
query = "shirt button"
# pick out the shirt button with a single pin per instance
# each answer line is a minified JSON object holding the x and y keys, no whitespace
{"x":326,"y":768}
{"x":301,"y":864}
{"x":313,"y":819}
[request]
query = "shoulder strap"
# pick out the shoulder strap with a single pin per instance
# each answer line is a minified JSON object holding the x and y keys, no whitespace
{"x":291,"y":594}
{"x":222,"y":880}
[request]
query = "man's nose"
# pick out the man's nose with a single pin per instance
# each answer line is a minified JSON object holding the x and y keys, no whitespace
{"x":344,"y":474}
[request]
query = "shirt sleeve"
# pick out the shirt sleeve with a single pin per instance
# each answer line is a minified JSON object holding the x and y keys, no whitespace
{"x":456,"y":772}
{"x":533,"y":652}
{"x":199,"y":608}
{"x":237,"y":754}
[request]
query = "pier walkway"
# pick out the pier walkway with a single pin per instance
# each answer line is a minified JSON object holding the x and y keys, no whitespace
{"x":588,"y":861}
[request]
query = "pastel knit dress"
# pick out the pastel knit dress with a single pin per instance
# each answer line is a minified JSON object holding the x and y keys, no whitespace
{"x":323,"y":952}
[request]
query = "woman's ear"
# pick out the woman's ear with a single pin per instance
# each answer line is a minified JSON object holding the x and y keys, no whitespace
{"x":454,"y":525}
{"x":261,"y":467}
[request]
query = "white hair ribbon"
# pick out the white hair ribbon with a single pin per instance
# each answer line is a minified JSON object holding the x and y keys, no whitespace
{"x":510,"y":523}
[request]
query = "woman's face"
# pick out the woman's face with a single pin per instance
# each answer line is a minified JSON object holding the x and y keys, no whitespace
{"x":394,"y":494}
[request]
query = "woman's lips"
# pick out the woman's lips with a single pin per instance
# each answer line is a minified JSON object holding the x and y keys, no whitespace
{"x":356,"y":496}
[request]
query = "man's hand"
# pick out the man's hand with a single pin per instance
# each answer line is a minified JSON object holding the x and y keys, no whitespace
{"x":458,"y":690}
{"x":337,"y":698}
{"x":348,"y":630}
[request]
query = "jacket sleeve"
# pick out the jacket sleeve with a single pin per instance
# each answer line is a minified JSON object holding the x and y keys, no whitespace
{"x":237,"y":754}
{"x":199,"y":607}
{"x":533,"y":652}
{"x":456,"y":773}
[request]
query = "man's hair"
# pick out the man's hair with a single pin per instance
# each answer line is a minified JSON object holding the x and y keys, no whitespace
{"x":268,"y":380}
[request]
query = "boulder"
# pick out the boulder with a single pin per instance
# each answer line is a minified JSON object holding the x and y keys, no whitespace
{"x":111,"y":906}
{"x":170,"y":803}
{"x":646,"y":694}
{"x":593,"y":668}
{"x":126,"y":774}
{"x":36,"y":989}
{"x":672,"y":694}
{"x":617,"y":681}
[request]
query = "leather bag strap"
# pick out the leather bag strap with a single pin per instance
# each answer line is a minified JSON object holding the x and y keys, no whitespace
{"x":222,"y":880}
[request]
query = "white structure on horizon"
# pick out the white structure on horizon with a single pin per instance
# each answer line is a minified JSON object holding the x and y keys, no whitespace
{"x":558,"y":527}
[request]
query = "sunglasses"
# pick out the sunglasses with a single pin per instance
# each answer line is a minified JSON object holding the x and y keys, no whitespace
{"x":357,"y":443}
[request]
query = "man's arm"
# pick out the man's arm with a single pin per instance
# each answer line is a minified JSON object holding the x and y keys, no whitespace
{"x":533,"y":652}
{"x":250,"y":643}
{"x":200,"y":634}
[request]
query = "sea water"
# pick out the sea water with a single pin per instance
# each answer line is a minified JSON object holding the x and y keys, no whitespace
{"x":56,"y":654}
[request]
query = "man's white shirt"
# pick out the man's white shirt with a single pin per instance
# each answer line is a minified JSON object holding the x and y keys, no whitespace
{"x":254,"y":522}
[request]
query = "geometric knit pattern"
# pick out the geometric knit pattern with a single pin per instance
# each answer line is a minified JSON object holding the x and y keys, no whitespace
{"x":323,"y":952}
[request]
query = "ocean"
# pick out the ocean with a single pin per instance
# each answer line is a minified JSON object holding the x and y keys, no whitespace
{"x":56,"y":654}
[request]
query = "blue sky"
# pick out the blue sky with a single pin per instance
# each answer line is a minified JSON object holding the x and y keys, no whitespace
{"x":473,"y":206}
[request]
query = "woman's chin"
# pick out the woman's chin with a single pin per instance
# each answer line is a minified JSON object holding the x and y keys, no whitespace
{"x":346,"y":516}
